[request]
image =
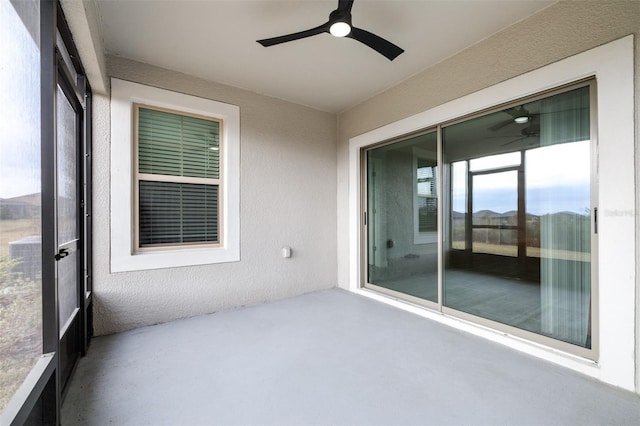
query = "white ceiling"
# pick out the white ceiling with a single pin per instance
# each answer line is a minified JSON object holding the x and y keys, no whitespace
{"x":216,"y":40}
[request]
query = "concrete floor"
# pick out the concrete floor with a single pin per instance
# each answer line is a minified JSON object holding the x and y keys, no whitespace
{"x":330,"y":358}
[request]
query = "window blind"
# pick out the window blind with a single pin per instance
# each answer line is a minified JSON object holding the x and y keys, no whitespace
{"x":178,"y":145}
{"x":172,"y":145}
{"x":427,"y":196}
{"x":178,"y":213}
{"x":426,"y":178}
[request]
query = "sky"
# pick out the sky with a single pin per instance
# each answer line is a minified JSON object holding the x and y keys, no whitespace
{"x":19,"y":112}
{"x":557,"y":179}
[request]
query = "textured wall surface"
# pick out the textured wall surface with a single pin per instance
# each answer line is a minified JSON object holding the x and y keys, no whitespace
{"x":288,"y":187}
{"x":563,"y":29}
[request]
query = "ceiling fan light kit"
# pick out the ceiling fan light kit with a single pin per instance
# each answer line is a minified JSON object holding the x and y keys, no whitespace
{"x":340,"y":29}
{"x":339,"y":25}
{"x":340,"y":22}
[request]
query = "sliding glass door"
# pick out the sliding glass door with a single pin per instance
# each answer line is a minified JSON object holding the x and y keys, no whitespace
{"x":403,"y":217}
{"x":517,"y":218}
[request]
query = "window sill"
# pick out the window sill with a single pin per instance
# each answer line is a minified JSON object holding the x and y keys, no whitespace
{"x":173,"y":258}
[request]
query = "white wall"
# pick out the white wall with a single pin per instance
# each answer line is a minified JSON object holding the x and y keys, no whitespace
{"x":558,"y":32}
{"x":288,"y":181}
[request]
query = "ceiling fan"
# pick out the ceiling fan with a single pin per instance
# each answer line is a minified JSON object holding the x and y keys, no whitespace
{"x":339,"y":25}
{"x":530,"y":131}
{"x":518,"y":115}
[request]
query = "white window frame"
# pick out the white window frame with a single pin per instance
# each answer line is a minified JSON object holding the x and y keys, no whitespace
{"x":421,"y":237}
{"x":150,"y":177}
{"x":124,"y":254}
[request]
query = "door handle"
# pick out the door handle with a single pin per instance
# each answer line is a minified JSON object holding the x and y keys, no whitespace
{"x":62,"y":253}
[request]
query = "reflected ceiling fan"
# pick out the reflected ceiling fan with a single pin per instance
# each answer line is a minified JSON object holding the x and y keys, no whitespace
{"x":339,"y":25}
{"x":518,"y":115}
{"x":532,"y":130}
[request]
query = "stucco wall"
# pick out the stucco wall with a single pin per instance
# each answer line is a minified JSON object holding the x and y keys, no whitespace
{"x":558,"y":32}
{"x":288,"y":181}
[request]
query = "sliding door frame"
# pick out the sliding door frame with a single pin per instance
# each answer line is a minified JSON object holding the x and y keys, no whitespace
{"x":444,"y":235}
{"x":367,"y":215}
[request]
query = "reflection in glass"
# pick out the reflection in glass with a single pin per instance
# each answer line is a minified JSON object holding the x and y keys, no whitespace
{"x":503,"y":242}
{"x":402,"y":224}
{"x":523,"y":258}
{"x":20,"y":199}
{"x":458,"y":205}
{"x":495,"y":212}
{"x":426,"y":195}
{"x":495,"y":198}
{"x":494,"y":162}
{"x":67,"y":170}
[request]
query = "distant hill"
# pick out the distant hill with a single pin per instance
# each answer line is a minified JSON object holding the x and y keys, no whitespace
{"x":22,"y":207}
{"x":511,"y":213}
{"x":30,"y":199}
{"x":487,"y":213}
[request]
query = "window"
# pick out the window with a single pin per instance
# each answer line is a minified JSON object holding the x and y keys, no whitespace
{"x":425,"y":190}
{"x":427,"y":197}
{"x":175,"y":188}
{"x":177,"y":179}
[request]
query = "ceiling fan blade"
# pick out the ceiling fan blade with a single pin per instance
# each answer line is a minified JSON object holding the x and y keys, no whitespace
{"x":345,"y":5}
{"x":501,"y":124}
{"x":380,"y":45}
{"x":295,"y":36}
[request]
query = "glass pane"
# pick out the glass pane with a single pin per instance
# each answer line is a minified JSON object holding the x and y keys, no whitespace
{"x":178,"y":213}
{"x":178,"y":145}
{"x":495,"y":199}
{"x":503,"y":242}
{"x":67,"y":201}
{"x":67,"y":288}
{"x":559,"y":204}
{"x":495,"y":162}
{"x":402,"y":210}
{"x":426,"y":175}
{"x":529,"y":262}
{"x":458,"y":205}
{"x":67,"y":205}
{"x":20,"y":195}
{"x":427,"y":214}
